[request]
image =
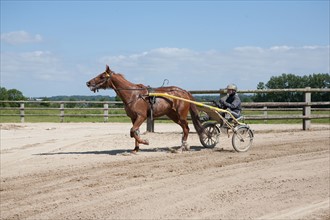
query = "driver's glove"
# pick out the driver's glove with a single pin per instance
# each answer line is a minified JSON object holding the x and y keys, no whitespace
{"x":217,"y":104}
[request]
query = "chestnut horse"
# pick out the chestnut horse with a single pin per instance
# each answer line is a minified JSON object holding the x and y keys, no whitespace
{"x":138,"y":104}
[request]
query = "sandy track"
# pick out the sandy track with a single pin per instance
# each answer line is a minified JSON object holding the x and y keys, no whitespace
{"x":79,"y":171}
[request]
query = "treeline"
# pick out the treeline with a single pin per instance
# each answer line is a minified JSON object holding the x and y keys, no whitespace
{"x":16,"y":95}
{"x":10,"y":95}
{"x":287,"y":81}
{"x":210,"y":98}
{"x":78,"y":98}
{"x":98,"y":98}
{"x":284,"y":81}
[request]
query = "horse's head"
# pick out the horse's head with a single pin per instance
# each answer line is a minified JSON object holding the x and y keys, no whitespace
{"x":102,"y":81}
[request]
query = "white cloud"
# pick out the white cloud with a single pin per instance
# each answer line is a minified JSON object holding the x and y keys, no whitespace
{"x":20,"y":37}
{"x":40,"y":73}
{"x":37,"y":73}
{"x":312,"y":47}
{"x":249,"y":49}
{"x":35,"y":65}
{"x":38,"y":57}
{"x":281,"y":48}
{"x":214,"y":69}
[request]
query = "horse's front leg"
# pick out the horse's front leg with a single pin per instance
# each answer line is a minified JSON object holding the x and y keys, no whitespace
{"x":135,"y":132}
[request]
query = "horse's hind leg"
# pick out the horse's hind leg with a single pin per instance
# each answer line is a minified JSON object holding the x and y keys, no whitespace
{"x":185,"y":129}
{"x":135,"y":132}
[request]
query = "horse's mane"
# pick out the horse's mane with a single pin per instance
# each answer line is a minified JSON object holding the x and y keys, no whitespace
{"x":123,"y":80}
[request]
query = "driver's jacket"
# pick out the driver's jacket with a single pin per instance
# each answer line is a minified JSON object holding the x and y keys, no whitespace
{"x":233,"y":102}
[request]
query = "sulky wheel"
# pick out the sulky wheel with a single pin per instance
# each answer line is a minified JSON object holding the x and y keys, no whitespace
{"x":210,"y":135}
{"x":242,"y":138}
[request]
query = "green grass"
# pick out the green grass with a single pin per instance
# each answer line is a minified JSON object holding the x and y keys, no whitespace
{"x":56,"y":118}
{"x":284,"y":113}
{"x":40,"y":116}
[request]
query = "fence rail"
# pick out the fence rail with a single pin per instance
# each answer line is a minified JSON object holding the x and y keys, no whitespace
{"x":223,"y":91}
{"x":265,"y":107}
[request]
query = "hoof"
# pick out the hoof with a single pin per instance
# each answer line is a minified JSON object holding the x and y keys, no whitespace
{"x":185,"y":146}
{"x":172,"y":150}
{"x":146,"y":142}
{"x":136,"y":149}
{"x":176,"y":151}
{"x":182,"y":149}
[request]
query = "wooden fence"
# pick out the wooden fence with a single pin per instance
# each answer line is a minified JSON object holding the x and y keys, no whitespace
{"x":106,"y":106}
{"x":265,"y":107}
{"x":306,"y":105}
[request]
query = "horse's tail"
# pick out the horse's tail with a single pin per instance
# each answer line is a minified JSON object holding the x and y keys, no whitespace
{"x":195,"y":119}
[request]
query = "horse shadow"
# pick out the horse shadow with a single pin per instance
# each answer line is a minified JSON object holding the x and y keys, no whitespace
{"x":122,"y":151}
{"x":104,"y":152}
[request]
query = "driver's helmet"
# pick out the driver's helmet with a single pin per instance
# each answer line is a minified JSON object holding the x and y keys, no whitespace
{"x":232,"y":86}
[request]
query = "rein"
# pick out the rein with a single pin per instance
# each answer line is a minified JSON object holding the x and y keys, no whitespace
{"x":130,"y":89}
{"x":148,"y":88}
{"x":107,"y":79}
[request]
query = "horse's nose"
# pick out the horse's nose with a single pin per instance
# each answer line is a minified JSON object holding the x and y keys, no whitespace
{"x":88,"y":83}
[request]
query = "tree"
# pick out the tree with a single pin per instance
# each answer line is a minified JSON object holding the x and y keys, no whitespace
{"x":288,"y":81}
{"x":11,"y":95}
{"x":45,"y":104}
{"x":319,"y":80}
{"x":3,"y":96}
{"x":15,"y":95}
{"x":260,"y":97}
{"x":3,"y":93}
{"x":285,"y":81}
{"x":71,"y":105}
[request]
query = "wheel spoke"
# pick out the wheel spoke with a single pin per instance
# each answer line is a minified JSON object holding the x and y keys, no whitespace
{"x":210,"y":135}
{"x":242,"y":139}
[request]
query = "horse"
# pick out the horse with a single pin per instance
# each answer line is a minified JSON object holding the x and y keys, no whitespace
{"x":139,"y":105}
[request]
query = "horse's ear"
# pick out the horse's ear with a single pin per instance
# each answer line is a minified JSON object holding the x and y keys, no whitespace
{"x":107,"y":69}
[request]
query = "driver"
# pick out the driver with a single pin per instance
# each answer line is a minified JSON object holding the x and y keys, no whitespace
{"x":231,"y":102}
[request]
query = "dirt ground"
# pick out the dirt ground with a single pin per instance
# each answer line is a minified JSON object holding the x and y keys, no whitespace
{"x":84,"y":171}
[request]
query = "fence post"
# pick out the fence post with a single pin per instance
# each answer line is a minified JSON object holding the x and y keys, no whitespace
{"x":150,"y":125}
{"x":106,"y":112}
{"x":265,"y":113}
{"x":62,"y":112}
{"x":307,"y":110}
{"x":22,"y":113}
{"x":151,"y":121}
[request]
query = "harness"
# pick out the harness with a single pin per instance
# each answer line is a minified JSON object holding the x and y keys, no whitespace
{"x":151,"y":100}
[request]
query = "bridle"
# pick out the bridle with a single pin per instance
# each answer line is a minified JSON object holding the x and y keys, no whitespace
{"x":107,"y":80}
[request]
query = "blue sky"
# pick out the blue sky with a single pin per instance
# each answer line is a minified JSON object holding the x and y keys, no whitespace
{"x":53,"y":47}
